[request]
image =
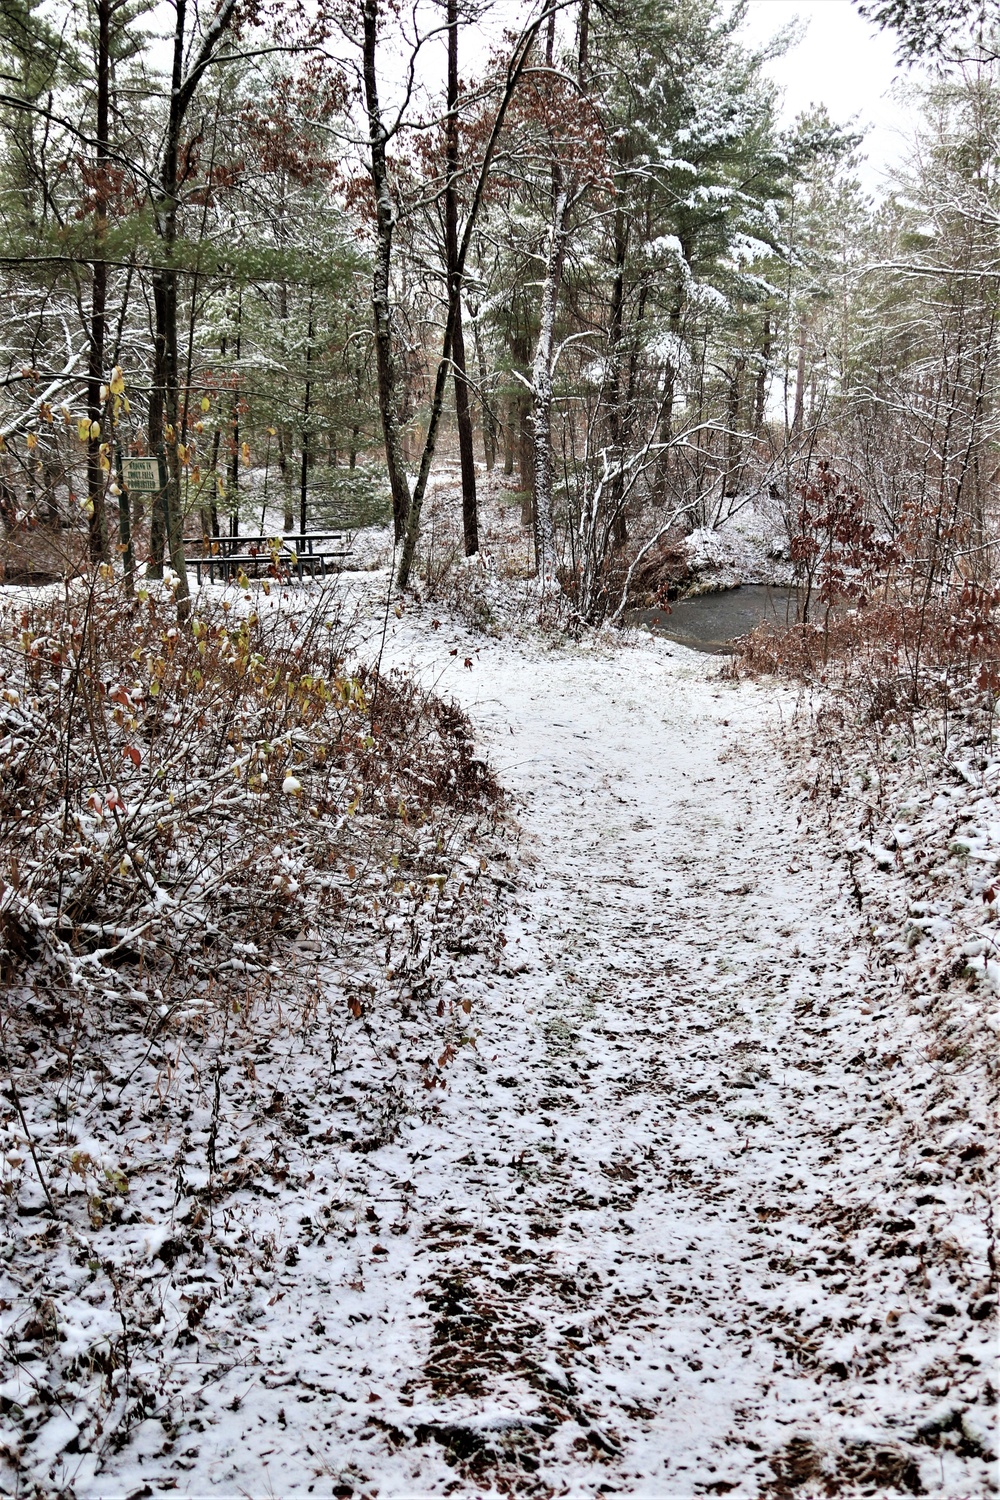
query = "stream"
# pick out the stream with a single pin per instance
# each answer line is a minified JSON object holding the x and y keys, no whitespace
{"x":709,"y":622}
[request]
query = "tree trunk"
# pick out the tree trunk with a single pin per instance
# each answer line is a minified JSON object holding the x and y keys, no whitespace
{"x":760,"y":390}
{"x":385,"y":361}
{"x":515,"y":69}
{"x":519,"y":438}
{"x":216,"y":442}
{"x":541,"y":369}
{"x":541,"y":382}
{"x":543,"y":364}
{"x":167,"y":522}
{"x":734,"y":466}
{"x":97,"y":541}
{"x":470,"y":518}
{"x":798,"y":413}
{"x":467,"y":456}
{"x":234,"y":428}
{"x":616,"y":415}
{"x":489,"y":426}
{"x":511,"y":426}
{"x":164,"y":401}
{"x":526,"y":462}
{"x":158,"y":517}
{"x":171,"y":519}
{"x":304,"y":480}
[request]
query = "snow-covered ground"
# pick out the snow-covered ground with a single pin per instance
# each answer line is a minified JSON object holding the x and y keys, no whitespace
{"x":747,"y":545}
{"x":663,"y":1231}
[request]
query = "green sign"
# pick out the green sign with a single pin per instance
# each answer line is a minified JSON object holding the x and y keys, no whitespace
{"x":142,"y":475}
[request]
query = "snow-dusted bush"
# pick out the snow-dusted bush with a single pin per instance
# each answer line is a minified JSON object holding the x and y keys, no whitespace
{"x":894,"y":656}
{"x":168,"y":792}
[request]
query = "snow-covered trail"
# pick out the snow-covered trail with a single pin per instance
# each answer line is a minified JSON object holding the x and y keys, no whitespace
{"x":656,"y":1237}
{"x":640,"y":1207}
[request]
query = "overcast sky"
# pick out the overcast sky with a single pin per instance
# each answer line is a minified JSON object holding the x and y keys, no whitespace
{"x":844,"y":63}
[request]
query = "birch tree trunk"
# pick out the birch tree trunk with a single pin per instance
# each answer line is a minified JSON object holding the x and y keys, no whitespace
{"x":96,"y":480}
{"x":542,"y":386}
{"x":544,"y":361}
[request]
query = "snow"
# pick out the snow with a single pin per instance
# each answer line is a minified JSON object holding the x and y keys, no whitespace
{"x":747,"y":545}
{"x":655,"y":1228}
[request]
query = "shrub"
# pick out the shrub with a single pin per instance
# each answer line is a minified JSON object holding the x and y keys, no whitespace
{"x":170,"y":794}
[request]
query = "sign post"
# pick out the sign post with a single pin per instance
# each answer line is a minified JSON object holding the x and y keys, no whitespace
{"x":124,"y":525}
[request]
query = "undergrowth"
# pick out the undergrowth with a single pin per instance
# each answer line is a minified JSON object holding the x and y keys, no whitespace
{"x":894,"y":754}
{"x":236,"y":873}
{"x":173,"y":796}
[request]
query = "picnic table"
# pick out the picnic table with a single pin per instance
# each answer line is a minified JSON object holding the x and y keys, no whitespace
{"x":302,"y":554}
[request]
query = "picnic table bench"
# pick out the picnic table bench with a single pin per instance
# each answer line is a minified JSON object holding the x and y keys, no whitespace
{"x":303,"y":554}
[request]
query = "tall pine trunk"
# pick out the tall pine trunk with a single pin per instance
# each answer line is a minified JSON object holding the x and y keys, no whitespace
{"x":616,"y":403}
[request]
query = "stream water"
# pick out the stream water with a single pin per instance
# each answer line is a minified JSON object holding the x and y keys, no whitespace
{"x":710,"y":622}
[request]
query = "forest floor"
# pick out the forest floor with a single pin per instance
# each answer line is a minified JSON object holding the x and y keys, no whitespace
{"x":663,"y":1231}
